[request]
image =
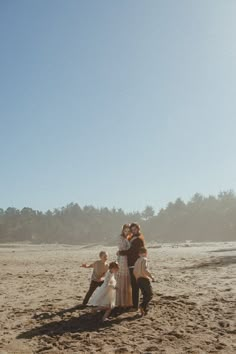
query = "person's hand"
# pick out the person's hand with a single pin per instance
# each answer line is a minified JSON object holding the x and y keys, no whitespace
{"x":153,"y":279}
{"x":84,"y":265}
{"x":118,"y":253}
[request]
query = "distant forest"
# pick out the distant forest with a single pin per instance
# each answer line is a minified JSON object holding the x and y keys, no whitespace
{"x":201,"y":219}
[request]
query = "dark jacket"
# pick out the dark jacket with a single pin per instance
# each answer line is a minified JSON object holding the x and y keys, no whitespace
{"x":133,"y":252}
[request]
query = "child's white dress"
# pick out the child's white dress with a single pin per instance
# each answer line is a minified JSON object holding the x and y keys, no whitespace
{"x":105,"y":295}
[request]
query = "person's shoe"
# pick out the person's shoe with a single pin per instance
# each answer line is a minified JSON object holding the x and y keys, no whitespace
{"x":133,"y":309}
{"x":82,"y":306}
{"x":105,"y":320}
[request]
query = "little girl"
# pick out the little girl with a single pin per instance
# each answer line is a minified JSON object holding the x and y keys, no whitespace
{"x":104,"y":297}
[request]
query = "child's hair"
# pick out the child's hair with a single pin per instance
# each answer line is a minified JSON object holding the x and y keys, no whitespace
{"x":102,"y":253}
{"x":142,"y":250}
{"x":113,"y":265}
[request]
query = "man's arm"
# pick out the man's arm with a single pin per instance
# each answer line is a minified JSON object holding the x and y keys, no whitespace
{"x":125,"y":252}
{"x":139,"y":243}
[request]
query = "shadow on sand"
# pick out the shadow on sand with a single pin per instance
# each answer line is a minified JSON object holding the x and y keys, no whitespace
{"x":216,"y":262}
{"x":48,"y":315}
{"x":223,"y":250}
{"x":87,"y":322}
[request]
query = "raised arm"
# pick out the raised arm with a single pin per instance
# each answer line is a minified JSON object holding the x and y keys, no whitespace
{"x":84,"y":265}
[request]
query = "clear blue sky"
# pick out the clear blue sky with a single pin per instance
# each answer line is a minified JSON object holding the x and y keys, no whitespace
{"x":116,"y":103}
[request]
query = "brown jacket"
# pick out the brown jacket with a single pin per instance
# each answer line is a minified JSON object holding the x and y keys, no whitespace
{"x":132,"y":253}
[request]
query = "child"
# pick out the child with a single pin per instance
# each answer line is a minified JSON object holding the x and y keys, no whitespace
{"x":143,"y":277}
{"x":100,"y":268}
{"x":105,"y":296}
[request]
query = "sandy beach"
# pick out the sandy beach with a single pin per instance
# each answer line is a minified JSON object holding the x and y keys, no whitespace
{"x":193,"y":309}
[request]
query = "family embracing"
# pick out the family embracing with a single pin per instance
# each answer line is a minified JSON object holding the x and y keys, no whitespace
{"x":117,"y":284}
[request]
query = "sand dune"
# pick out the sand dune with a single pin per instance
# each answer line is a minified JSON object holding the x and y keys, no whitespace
{"x":193,"y":310}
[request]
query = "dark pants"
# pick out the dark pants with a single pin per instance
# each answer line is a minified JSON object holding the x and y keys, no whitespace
{"x":144,"y":285}
{"x":135,"y":288}
{"x":92,"y":288}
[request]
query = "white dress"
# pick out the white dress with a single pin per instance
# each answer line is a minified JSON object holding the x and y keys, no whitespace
{"x":105,"y":295}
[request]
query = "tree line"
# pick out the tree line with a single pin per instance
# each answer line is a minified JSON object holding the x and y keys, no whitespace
{"x":211,"y":218}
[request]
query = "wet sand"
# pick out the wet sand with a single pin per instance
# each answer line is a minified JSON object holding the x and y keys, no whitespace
{"x":193,"y":309}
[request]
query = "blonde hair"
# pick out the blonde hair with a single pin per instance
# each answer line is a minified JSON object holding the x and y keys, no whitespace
{"x":102,"y":253}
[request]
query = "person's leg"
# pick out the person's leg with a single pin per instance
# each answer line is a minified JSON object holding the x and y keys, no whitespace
{"x":147,"y":292}
{"x":135,"y":288}
{"x":106,"y":314}
{"x":139,"y":283}
{"x":92,"y":288}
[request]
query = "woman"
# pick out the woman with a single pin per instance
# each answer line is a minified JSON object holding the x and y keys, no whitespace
{"x":124,"y":291}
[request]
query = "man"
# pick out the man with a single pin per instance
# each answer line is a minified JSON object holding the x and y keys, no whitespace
{"x":136,"y":243}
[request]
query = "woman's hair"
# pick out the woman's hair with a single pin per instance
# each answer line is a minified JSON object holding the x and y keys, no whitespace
{"x":113,"y":265}
{"x":125,"y":226}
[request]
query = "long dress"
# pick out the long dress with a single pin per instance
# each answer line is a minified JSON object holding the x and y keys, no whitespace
{"x":105,"y":295}
{"x":124,"y":290}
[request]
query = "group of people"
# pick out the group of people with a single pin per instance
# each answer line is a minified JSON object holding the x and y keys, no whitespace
{"x":117,"y":284}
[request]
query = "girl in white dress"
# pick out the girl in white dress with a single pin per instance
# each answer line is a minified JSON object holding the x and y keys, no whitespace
{"x":124,"y":290}
{"x":104,"y":297}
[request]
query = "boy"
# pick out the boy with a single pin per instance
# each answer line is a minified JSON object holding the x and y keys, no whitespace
{"x":143,"y":277}
{"x":100,"y":268}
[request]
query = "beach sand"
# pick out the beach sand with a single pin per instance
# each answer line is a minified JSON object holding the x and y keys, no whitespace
{"x":193,"y":309}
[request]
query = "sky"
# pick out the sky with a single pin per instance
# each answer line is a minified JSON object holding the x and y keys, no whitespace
{"x":116,"y":103}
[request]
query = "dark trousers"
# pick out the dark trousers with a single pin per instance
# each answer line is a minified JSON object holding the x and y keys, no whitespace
{"x":135,"y":288}
{"x":144,"y":285}
{"x":92,"y":288}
